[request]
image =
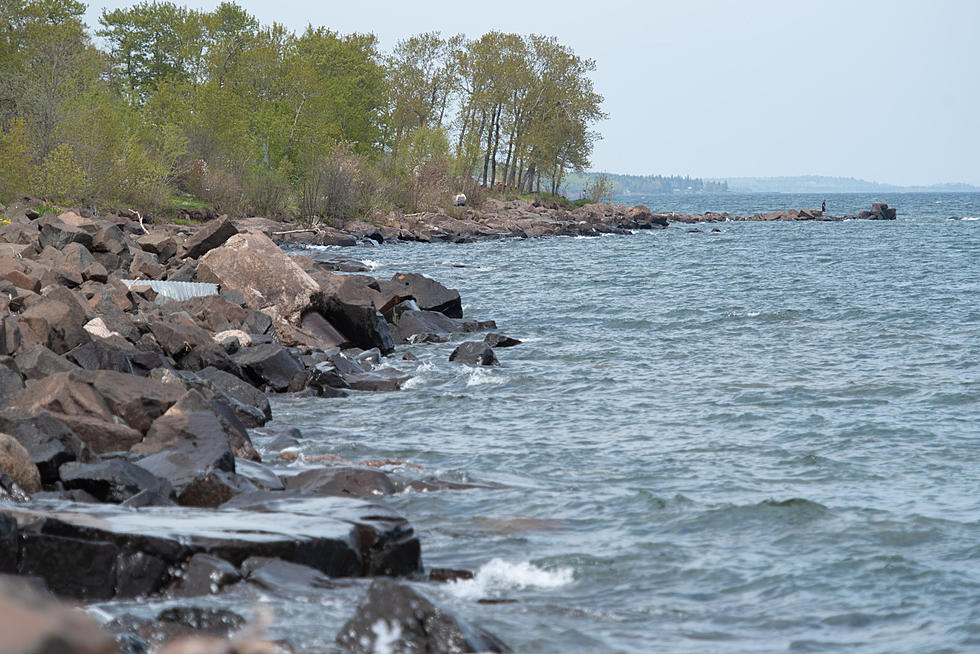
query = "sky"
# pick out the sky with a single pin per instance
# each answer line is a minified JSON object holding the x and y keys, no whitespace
{"x":887,"y":91}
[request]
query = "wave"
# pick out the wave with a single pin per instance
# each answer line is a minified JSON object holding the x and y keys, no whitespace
{"x":499,"y":576}
{"x":482,"y":376}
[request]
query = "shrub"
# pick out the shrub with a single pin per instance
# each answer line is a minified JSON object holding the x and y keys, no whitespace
{"x":60,"y":178}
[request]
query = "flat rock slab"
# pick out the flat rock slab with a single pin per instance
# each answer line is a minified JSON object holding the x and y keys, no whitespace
{"x":100,"y":552}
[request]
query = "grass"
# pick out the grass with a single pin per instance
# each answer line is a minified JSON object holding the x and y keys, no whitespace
{"x":190,"y":203}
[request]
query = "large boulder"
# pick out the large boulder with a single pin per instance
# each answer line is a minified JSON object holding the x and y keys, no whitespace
{"x":16,"y":462}
{"x":211,"y":235}
{"x":268,"y":365}
{"x":342,"y":481}
{"x":101,"y":551}
{"x":258,"y":410}
{"x":270,"y":281}
{"x":11,"y":381}
{"x":474,"y":353}
{"x":186,"y":442}
{"x":428,"y":293}
{"x":114,"y":480}
{"x":57,"y":321}
{"x":48,"y":441}
{"x":414,"y":624}
{"x":38,"y":361}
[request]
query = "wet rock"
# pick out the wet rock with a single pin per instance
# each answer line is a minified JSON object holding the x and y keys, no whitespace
{"x":359,"y":321}
{"x":499,"y":340}
{"x":48,"y":441}
{"x":211,"y":235}
{"x":34,"y":622}
{"x":420,"y":625}
{"x":475,"y":353}
{"x":342,"y":481}
{"x":216,"y":622}
{"x":268,"y":365}
{"x":443,"y":575}
{"x":16,"y":462}
{"x":204,"y":574}
{"x":261,"y":475}
{"x":282,"y":577}
{"x":410,"y":323}
{"x":383,"y":379}
{"x":8,"y":545}
{"x":214,"y":488}
{"x":108,"y":551}
{"x":428,"y":293}
{"x":101,"y":436}
{"x":114,"y":480}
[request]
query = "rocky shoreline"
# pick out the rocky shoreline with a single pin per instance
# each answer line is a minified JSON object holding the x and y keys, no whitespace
{"x":135,"y":361}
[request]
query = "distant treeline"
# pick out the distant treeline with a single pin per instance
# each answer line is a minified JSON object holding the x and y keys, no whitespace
{"x":577,"y":183}
{"x":823,"y":184}
{"x":185,"y":106}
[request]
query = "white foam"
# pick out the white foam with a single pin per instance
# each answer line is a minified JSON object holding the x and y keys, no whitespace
{"x":371,"y":263}
{"x":482,"y":376}
{"x":499,"y":575}
{"x":387,"y":635}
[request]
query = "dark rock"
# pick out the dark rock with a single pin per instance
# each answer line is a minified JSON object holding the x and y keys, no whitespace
{"x":261,"y":475}
{"x":114,"y":480}
{"x":138,"y":401}
{"x":159,"y":244}
{"x":284,"y":578}
{"x":211,"y":235}
{"x":474,"y":352}
{"x":186,"y":442}
{"x":383,"y":379}
{"x":8,"y":546}
{"x":37,"y":362}
{"x":101,"y":436}
{"x":268,"y":365}
{"x":99,"y":354}
{"x":242,"y":392}
{"x":204,"y":574}
{"x":48,"y":441}
{"x":359,"y":321}
{"x":57,"y":234}
{"x":428,"y":293}
{"x":421,"y":625}
{"x":214,"y":488}
{"x":443,"y":575}
{"x":343,"y":481}
{"x":499,"y":340}
{"x":214,"y":622}
{"x":411,"y":323}
{"x":109,"y":239}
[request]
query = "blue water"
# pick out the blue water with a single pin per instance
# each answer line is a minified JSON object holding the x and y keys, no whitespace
{"x":759,"y":440}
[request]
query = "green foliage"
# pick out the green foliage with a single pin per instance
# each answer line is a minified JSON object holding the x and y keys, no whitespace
{"x":257,"y":118}
{"x":60,"y":177}
{"x":600,"y":189}
{"x":16,"y":171}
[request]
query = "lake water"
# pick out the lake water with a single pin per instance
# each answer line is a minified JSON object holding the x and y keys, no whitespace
{"x":765,"y":439}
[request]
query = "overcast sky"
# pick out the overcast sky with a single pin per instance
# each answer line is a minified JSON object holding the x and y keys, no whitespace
{"x":887,"y":91}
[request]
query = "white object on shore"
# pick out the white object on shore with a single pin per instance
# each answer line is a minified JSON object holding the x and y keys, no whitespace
{"x":176,"y":291}
{"x":459,"y":200}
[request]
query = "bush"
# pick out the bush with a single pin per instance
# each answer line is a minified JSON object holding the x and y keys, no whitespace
{"x":60,"y":178}
{"x":268,"y":190}
{"x":16,"y":170}
{"x":222,"y":188}
{"x":336,"y":184}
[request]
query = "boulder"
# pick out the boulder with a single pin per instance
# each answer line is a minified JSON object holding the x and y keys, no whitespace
{"x":428,"y":293}
{"x":48,"y":441}
{"x":16,"y":462}
{"x":268,"y":365}
{"x":56,"y":321}
{"x":360,"y":322}
{"x":101,"y":435}
{"x":383,"y":379}
{"x":475,"y":353}
{"x":102,"y":354}
{"x":414,"y":624}
{"x":11,"y":381}
{"x":186,"y":442}
{"x":138,"y":401}
{"x":243,"y":393}
{"x":101,"y":551}
{"x":259,"y":474}
{"x":211,"y":235}
{"x":114,"y":480}
{"x":284,"y":578}
{"x":8,"y":546}
{"x":57,"y":234}
{"x":499,"y":340}
{"x":158,"y":244}
{"x":270,"y":281}
{"x":37,"y":362}
{"x":110,"y":239}
{"x":343,"y":481}
{"x":204,"y":574}
{"x":213,"y":488}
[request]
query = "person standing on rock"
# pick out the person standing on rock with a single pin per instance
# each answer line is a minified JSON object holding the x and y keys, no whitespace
{"x":823,"y":207}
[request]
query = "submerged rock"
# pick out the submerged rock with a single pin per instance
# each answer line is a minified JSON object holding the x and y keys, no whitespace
{"x":476,"y":353}
{"x":414,"y":624}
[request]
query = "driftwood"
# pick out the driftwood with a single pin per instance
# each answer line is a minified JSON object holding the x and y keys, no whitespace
{"x":295,"y":231}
